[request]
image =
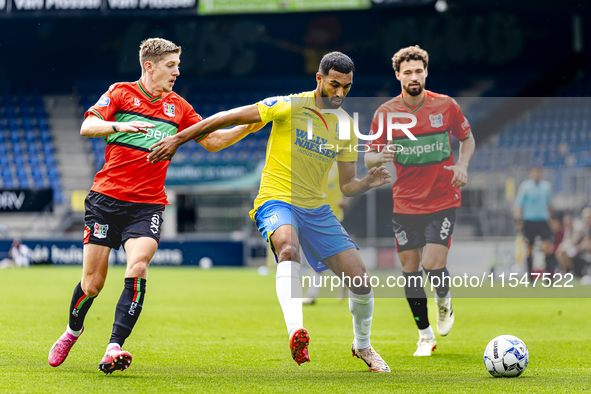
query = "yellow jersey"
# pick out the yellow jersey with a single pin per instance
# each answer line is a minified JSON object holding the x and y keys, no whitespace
{"x":296,"y":167}
{"x":335,"y":196}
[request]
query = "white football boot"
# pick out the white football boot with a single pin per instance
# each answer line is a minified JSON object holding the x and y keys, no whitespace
{"x":445,"y":315}
{"x":425,"y":346}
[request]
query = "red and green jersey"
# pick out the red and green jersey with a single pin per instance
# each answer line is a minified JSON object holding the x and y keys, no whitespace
{"x":422,"y":184}
{"x":127,"y":175}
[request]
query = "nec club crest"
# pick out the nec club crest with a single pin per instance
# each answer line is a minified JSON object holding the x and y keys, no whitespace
{"x":100,"y":230}
{"x":436,"y":120}
{"x":169,"y":110}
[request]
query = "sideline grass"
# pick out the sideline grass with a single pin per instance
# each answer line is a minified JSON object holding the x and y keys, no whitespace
{"x":222,"y":330}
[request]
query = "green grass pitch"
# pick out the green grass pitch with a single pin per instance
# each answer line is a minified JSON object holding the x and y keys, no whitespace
{"x":222,"y":330}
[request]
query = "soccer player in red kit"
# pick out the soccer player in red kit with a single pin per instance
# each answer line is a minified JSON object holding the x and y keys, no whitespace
{"x":125,"y":203}
{"x":426,"y":192}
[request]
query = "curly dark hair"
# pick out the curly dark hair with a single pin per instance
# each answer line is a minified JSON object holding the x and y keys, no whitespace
{"x":410,"y":53}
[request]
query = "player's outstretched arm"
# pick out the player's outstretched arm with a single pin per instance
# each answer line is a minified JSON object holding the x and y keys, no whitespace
{"x":93,"y":126}
{"x":166,"y":148}
{"x":375,"y":159}
{"x":351,"y":186}
{"x":223,"y":138}
{"x":460,"y":169}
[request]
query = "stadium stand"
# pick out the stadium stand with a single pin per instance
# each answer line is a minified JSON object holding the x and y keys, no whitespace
{"x":27,"y":154}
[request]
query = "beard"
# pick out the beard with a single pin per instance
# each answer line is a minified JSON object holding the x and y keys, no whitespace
{"x":328,"y":101}
{"x":414,"y":91}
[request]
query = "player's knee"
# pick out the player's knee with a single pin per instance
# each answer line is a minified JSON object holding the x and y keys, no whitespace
{"x":138,"y":269}
{"x":360,"y":288}
{"x":360,"y":281}
{"x":92,"y":287}
{"x":288,"y":253}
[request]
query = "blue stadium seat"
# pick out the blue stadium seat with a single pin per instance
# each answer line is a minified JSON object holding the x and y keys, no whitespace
{"x":43,"y":123}
{"x":45,"y":136}
{"x":23,"y":182}
{"x":8,"y":183}
{"x":53,"y":174}
{"x":34,"y":161}
{"x":47,"y":149}
{"x":19,"y":161}
{"x":57,"y":195}
{"x":49,"y":160}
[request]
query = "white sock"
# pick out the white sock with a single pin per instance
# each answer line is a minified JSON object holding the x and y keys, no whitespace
{"x":289,"y":294}
{"x":361,"y":307}
{"x":426,"y":333}
{"x":112,"y":345}
{"x":315,"y":284}
{"x":72,"y":332}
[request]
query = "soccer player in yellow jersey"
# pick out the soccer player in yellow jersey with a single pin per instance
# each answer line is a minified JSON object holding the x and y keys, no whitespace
{"x":291,"y":208}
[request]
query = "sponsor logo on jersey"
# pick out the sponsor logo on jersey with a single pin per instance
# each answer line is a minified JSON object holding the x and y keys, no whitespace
{"x":401,"y":238}
{"x":432,"y":148}
{"x":436,"y":120}
{"x":445,"y":227}
{"x":136,"y":101}
{"x":465,"y":124}
{"x":422,"y":149}
{"x":271,"y":101}
{"x":111,"y":88}
{"x":100,"y":230}
{"x":169,"y":110}
{"x":314,"y":117}
{"x":103,"y":102}
{"x":317,"y":145}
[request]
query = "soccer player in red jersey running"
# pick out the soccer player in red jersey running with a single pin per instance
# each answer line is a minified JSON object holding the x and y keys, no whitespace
{"x":426,"y":192}
{"x":125,"y":203}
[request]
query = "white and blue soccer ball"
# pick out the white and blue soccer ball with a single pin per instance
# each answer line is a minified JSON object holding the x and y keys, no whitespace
{"x":506,"y":356}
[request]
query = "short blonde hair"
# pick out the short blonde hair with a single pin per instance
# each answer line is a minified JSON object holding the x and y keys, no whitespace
{"x":410,"y":53}
{"x":155,"y":49}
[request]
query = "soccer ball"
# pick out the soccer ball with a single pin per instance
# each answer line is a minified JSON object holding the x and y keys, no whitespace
{"x":506,"y":356}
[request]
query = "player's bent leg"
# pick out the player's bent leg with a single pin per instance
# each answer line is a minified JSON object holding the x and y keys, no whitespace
{"x":348,"y":264}
{"x":94,"y":268}
{"x":289,"y":290}
{"x":434,"y":263}
{"x":129,"y":307}
{"x":417,"y":298}
{"x":286,"y":244}
{"x":94,"y":273}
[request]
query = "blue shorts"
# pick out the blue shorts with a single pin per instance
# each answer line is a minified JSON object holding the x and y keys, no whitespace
{"x":320,"y":233}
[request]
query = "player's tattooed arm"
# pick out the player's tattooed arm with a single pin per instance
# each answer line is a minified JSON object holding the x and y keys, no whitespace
{"x":93,"y":126}
{"x":460,"y":169}
{"x":166,"y":148}
{"x":352,"y":186}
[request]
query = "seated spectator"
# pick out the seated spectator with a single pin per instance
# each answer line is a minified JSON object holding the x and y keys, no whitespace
{"x":582,"y":260}
{"x":18,"y":255}
{"x":574,"y":234}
